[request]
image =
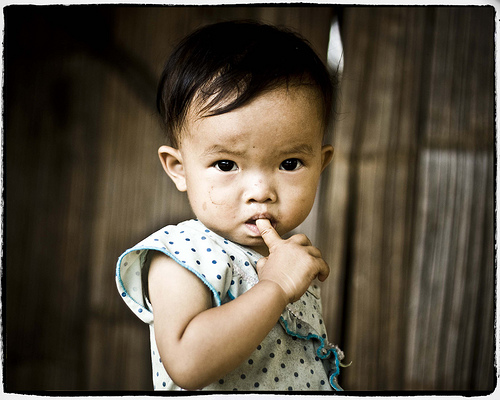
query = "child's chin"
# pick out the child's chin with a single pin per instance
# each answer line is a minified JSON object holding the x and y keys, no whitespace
{"x":255,"y":243}
{"x":249,"y":241}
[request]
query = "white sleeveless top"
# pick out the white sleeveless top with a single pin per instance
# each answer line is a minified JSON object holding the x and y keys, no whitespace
{"x":295,"y":355}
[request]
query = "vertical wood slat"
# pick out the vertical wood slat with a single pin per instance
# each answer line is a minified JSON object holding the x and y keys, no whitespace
{"x":335,"y":198}
{"x":484,"y":349}
{"x":447,"y":273}
{"x":379,"y":157}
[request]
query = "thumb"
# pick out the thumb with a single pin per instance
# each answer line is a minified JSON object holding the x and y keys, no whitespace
{"x":268,"y":233}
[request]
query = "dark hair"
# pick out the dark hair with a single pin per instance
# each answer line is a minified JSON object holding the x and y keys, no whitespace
{"x":225,"y":65}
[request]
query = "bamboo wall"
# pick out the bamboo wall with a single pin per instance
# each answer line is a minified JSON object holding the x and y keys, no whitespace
{"x":404,"y":217}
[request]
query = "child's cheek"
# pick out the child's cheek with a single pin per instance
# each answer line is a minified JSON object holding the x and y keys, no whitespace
{"x":217,"y":196}
{"x":221,"y":190}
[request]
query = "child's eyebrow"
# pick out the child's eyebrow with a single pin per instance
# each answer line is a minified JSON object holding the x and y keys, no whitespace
{"x":305,"y":149}
{"x":218,"y":149}
{"x":302,"y":148}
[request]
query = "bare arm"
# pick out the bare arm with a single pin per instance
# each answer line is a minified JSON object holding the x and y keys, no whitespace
{"x":200,"y":343}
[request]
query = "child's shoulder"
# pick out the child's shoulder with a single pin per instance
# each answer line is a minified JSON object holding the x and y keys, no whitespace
{"x":188,"y":230}
{"x":213,"y":259}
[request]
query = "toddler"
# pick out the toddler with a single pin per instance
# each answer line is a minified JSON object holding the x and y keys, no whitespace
{"x":230,"y":304}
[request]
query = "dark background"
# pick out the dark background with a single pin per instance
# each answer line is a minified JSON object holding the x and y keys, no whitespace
{"x":405,"y":215}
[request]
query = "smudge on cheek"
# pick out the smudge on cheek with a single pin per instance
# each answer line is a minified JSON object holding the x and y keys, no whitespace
{"x":217,"y":199}
{"x":204,"y":206}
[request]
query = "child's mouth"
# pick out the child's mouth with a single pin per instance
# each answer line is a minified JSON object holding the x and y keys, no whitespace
{"x":252,"y":226}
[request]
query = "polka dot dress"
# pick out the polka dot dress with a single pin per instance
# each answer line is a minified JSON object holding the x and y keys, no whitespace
{"x":295,"y":355}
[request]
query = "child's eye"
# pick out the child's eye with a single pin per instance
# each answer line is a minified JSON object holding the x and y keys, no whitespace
{"x":225,"y":165}
{"x":291,"y":164}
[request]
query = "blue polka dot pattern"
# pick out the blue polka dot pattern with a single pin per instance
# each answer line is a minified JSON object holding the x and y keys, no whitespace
{"x":227,"y":269}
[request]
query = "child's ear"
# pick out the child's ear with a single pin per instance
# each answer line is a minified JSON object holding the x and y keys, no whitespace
{"x":326,"y":155}
{"x":171,"y":161}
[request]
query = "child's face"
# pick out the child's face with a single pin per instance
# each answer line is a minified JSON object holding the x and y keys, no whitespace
{"x":262,"y":160}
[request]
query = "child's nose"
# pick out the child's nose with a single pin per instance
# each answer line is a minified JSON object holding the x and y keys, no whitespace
{"x":260,"y":190}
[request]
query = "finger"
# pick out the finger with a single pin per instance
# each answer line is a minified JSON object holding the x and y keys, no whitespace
{"x":301,"y":239}
{"x":314,"y":251}
{"x":323,"y":272}
{"x":268,"y":233}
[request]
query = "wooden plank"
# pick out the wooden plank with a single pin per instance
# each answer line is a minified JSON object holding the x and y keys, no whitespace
{"x":484,"y":377}
{"x":337,"y":186}
{"x":380,"y":188}
{"x":447,"y":270}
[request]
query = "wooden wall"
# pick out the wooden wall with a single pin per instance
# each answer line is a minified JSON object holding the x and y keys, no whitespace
{"x":405,"y":214}
{"x":409,"y":201}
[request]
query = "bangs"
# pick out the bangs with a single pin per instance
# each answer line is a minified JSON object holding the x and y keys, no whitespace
{"x":223,"y":66}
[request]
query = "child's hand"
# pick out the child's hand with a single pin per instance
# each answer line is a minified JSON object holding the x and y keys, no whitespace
{"x":292,"y":264}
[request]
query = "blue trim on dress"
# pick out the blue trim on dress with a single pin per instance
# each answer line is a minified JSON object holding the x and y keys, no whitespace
{"x":119,"y":275}
{"x":318,"y":352}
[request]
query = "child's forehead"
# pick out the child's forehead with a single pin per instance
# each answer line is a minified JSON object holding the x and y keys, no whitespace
{"x":291,"y":96}
{"x":278,"y":116}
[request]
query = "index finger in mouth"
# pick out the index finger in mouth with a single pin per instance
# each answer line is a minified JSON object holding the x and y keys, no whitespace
{"x":268,"y":233}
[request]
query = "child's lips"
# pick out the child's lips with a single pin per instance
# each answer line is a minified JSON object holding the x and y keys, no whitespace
{"x":250,"y":223}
